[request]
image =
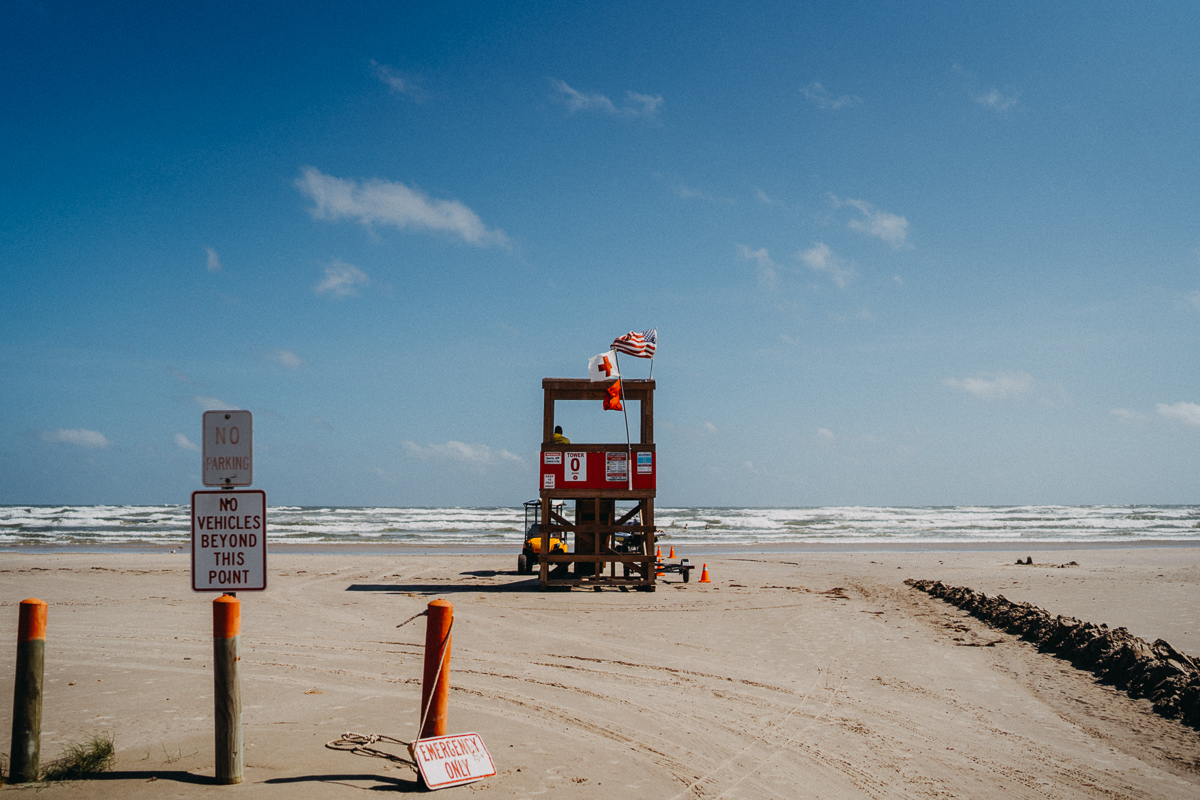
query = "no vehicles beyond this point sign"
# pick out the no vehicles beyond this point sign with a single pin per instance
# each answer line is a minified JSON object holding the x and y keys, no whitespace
{"x":229,"y":541}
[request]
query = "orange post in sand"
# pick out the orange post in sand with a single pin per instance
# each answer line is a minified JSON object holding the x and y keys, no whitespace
{"x":24,"y":761}
{"x":704,"y":575}
{"x":672,"y":552}
{"x":435,"y":682}
{"x":227,"y":645}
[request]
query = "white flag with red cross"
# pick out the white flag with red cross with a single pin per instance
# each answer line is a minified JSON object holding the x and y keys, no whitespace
{"x":603,"y":367}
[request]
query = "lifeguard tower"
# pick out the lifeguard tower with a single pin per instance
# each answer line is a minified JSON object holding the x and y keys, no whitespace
{"x":608,"y":544}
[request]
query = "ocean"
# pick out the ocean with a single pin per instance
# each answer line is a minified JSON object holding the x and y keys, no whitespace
{"x":710,"y":529}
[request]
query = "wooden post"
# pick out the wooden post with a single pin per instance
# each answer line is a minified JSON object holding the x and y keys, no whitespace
{"x":435,"y":683}
{"x":24,"y":761}
{"x":227,"y":638}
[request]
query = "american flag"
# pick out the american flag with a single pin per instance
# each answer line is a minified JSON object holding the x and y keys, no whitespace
{"x":641,"y":344}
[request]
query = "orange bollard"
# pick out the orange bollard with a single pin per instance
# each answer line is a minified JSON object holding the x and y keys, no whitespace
{"x":672,"y":552}
{"x":435,"y":683}
{"x":658,"y":553}
{"x":24,"y":765}
{"x":704,"y":575}
{"x":227,"y":684}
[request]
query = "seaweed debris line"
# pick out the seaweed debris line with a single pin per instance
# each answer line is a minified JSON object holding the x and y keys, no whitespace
{"x":1156,"y":671}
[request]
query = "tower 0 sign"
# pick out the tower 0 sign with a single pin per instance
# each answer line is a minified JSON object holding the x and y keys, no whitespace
{"x":228,"y":448}
{"x":229,"y":541}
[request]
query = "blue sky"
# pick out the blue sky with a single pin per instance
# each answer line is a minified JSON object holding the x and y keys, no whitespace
{"x":897,"y":253}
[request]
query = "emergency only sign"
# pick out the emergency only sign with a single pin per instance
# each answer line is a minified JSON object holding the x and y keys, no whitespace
{"x":452,"y":760}
{"x":229,"y":540}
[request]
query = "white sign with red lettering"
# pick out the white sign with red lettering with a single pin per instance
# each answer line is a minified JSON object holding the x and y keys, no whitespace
{"x":229,"y":541}
{"x":228,"y":448}
{"x":574,"y":467}
{"x":452,"y":760}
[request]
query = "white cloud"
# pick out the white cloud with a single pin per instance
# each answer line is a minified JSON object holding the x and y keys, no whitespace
{"x":827,"y":102}
{"x":1191,"y":301}
{"x":213,"y":404}
{"x":80,"y":437}
{"x":287,"y":358}
{"x":765,"y":198}
{"x":476,"y":454}
{"x":397,"y":81}
{"x":889,"y":228}
{"x":341,"y":279}
{"x":764,"y":266}
{"x":994,"y":385}
{"x":184,"y":443}
{"x":686,"y":192}
{"x":1128,"y":415}
{"x":637,"y":105}
{"x":710,"y":428}
{"x":997,"y":100}
{"x":380,"y":202}
{"x":214,"y":261}
{"x":1186,"y":413}
{"x":649,"y":103}
{"x":825,"y":435}
{"x":820,"y":258}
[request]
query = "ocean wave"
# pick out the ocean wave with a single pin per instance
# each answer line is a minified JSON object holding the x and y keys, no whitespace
{"x":703,"y":526}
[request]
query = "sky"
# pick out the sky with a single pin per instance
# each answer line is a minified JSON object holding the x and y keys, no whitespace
{"x":897,"y":253}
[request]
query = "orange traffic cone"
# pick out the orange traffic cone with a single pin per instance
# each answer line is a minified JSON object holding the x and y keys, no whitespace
{"x":704,"y":575}
{"x":672,"y":552}
{"x":658,"y":553}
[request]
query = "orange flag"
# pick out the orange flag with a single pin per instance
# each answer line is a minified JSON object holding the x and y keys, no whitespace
{"x":613,"y":401}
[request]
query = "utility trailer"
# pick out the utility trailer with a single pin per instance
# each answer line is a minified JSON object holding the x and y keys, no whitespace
{"x":608,"y":545}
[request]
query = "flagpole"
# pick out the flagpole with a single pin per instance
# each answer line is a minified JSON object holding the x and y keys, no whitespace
{"x":625,"y":411}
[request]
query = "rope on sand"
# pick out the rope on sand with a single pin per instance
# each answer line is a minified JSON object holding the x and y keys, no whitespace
{"x":360,"y":745}
{"x":414,"y":616}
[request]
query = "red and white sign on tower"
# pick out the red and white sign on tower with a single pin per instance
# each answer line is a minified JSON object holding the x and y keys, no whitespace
{"x":228,"y":448}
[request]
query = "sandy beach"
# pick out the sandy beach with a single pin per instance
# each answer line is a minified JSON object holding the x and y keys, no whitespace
{"x":792,"y":674}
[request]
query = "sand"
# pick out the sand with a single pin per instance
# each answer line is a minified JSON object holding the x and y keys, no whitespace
{"x":800,"y":674}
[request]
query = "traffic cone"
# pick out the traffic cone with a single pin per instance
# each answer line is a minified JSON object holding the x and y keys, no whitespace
{"x":672,"y":552}
{"x":658,"y":553}
{"x":704,"y":575}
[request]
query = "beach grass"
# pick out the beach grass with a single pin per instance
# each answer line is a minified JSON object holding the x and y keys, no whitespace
{"x":82,"y":759}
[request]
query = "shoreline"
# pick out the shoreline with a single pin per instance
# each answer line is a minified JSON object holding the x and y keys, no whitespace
{"x":792,"y":548}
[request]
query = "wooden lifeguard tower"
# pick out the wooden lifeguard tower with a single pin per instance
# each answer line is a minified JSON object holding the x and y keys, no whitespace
{"x":610,"y":546}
